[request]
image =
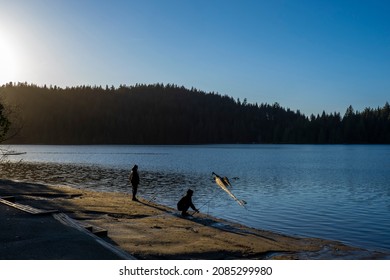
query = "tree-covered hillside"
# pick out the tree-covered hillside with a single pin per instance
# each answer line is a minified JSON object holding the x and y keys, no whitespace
{"x":169,"y":114}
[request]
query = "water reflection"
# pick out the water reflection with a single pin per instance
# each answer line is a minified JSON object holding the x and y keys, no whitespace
{"x":335,"y":192}
{"x":153,"y":184}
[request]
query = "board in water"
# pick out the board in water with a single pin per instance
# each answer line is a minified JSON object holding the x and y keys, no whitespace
{"x":221,"y":182}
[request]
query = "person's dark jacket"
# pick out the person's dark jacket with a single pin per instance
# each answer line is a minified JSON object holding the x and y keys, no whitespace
{"x":134,"y":178}
{"x":184,"y":203}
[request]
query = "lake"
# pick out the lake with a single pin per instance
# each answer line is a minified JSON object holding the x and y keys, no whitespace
{"x":338,"y":192}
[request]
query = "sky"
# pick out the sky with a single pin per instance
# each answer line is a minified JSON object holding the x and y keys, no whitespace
{"x":311,"y":56}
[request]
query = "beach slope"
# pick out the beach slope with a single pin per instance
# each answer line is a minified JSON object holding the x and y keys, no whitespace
{"x":147,"y":230}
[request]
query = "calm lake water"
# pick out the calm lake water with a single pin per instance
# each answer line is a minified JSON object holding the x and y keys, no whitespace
{"x":338,"y":192}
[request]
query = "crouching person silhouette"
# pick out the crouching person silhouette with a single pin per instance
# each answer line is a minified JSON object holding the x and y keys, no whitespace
{"x":185,"y":203}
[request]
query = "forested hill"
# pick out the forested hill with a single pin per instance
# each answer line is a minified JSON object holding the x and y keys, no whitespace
{"x":168,"y":114}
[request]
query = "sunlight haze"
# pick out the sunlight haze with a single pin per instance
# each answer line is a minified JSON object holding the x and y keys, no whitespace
{"x":306,"y":55}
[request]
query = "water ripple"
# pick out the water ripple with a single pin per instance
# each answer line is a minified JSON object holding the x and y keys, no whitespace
{"x":335,"y":192}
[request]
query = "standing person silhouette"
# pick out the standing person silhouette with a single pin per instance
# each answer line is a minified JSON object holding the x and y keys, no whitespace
{"x":134,"y":180}
{"x":186,"y":202}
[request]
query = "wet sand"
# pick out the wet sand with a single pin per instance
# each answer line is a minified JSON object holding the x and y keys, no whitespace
{"x":150,"y":231}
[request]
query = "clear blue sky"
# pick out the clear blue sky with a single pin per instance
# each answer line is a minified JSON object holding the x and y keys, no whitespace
{"x":307,"y":55}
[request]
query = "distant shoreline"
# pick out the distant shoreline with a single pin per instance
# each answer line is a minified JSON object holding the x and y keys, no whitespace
{"x":158,"y":114}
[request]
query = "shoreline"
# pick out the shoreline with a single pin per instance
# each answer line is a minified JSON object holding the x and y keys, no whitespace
{"x":280,"y":199}
{"x":150,"y":231}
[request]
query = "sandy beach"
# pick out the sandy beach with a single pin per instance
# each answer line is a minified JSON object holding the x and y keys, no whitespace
{"x":149,"y":231}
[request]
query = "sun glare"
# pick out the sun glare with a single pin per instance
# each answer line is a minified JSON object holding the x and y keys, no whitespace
{"x":8,"y":61}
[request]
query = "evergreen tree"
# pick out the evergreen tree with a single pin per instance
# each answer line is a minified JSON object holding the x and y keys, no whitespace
{"x":4,"y":123}
{"x":169,"y":114}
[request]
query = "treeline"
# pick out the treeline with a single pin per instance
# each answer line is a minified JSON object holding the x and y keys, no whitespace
{"x":169,"y":114}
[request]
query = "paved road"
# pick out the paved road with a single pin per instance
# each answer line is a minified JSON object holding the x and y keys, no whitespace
{"x":24,"y":236}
